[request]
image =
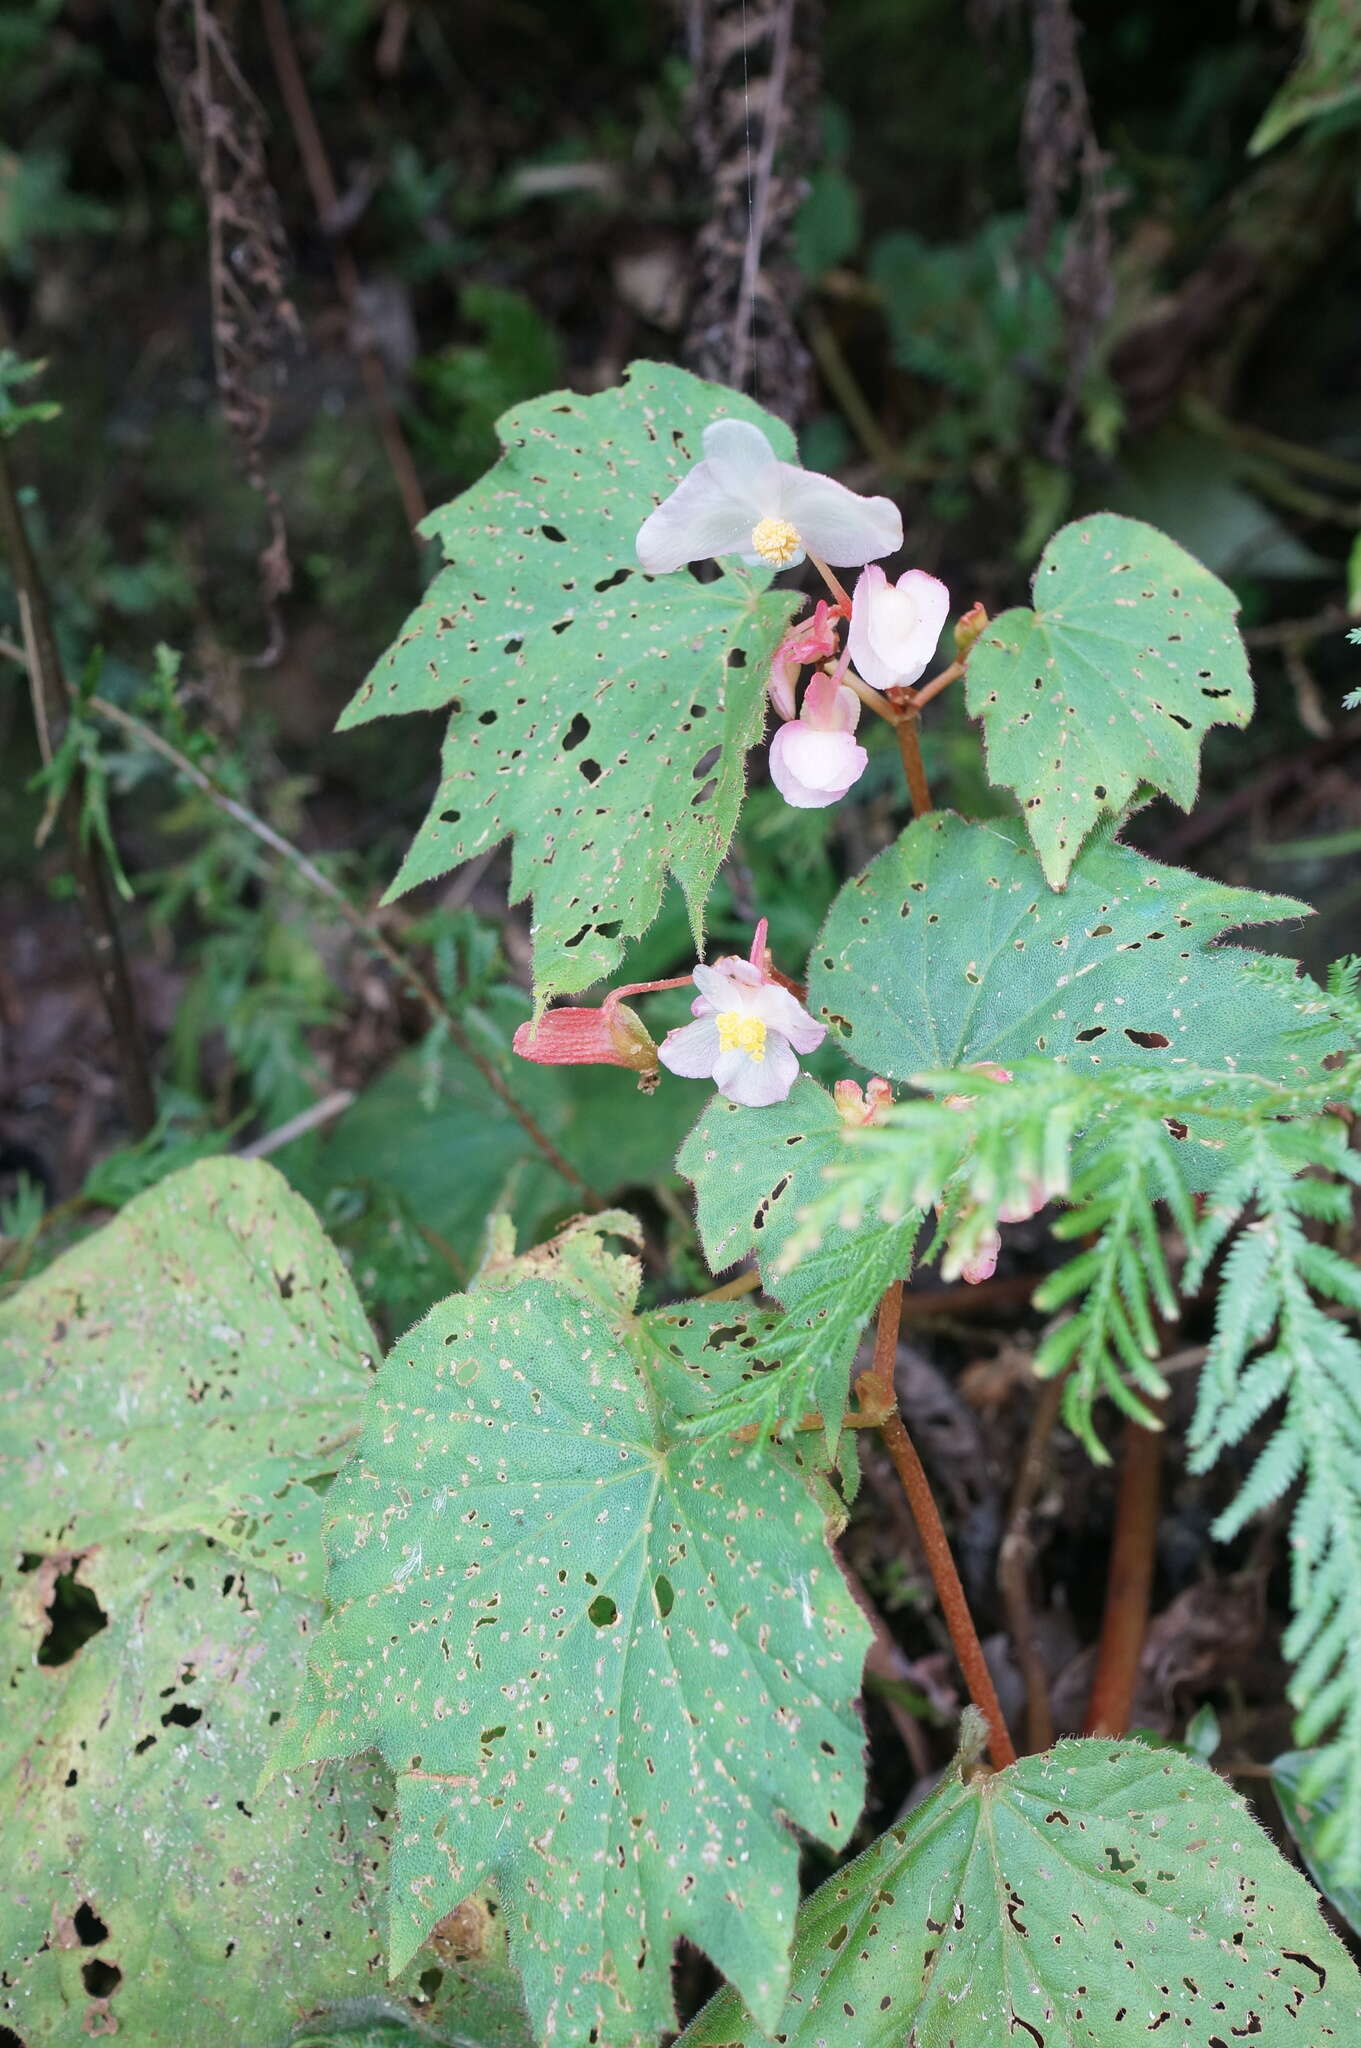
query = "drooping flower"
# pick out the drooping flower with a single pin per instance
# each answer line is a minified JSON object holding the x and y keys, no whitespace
{"x":741,"y":500}
{"x":808,"y":640}
{"x":895,"y":626}
{"x":815,"y":758}
{"x":579,"y":1036}
{"x":746,"y":1034}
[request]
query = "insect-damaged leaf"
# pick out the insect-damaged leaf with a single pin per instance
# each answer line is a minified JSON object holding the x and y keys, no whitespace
{"x":603,"y":1660}
{"x":600,"y":716}
{"x":948,"y":949}
{"x":152,"y":1890}
{"x":191,"y":1366}
{"x":754,"y":1171}
{"x":1129,"y":656}
{"x":1092,"y":1895}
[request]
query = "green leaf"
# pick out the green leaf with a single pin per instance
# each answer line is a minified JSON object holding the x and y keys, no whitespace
{"x":1074,"y":1899}
{"x":593,"y":707}
{"x":152,"y":1890}
{"x":754,"y":1172}
{"x":1112,"y":681}
{"x":948,"y":949}
{"x":192,"y":1366}
{"x":604,"y":1661}
{"x":1304,"y":1817}
{"x":1326,"y":80}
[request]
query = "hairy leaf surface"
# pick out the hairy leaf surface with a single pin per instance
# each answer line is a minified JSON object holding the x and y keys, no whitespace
{"x":754,"y":1172}
{"x":948,"y":949}
{"x":1095,"y":1894}
{"x":152,"y":1891}
{"x":1129,"y":656}
{"x":191,"y":1366}
{"x":600,"y":717}
{"x":604,"y":1660}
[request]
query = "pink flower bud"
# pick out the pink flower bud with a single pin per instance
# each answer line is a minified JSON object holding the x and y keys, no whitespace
{"x":895,"y":626}
{"x":808,"y":640}
{"x":969,"y":628}
{"x":856,"y":1109}
{"x":990,"y":1071}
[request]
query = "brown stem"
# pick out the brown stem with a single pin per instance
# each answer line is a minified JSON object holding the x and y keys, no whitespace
{"x":1129,"y":1582}
{"x":371,"y":933}
{"x":1013,"y":1568}
{"x":317,"y":169}
{"x":906,"y":727}
{"x":51,"y":707}
{"x":877,"y":1387}
{"x":936,"y":685}
{"x":734,"y":1289}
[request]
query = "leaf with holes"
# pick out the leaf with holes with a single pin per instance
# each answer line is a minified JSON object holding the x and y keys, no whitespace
{"x":605,"y":1661}
{"x":1089,"y":1897}
{"x":192,"y":1366}
{"x":753,"y":1172}
{"x":151,"y":1890}
{"x":949,"y":950}
{"x":600,"y":716}
{"x":1129,"y":656}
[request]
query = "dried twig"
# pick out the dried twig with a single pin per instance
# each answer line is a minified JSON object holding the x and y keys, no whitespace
{"x":317,"y":169}
{"x":223,"y":129}
{"x":753,"y":111}
{"x":1059,"y":149}
{"x":51,"y":703}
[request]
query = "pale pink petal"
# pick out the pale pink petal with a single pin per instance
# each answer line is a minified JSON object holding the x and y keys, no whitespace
{"x":734,"y":968}
{"x":784,"y":673}
{"x":755,"y":1083}
{"x":715,"y":985}
{"x":895,"y":626}
{"x":699,"y":519}
{"x":830,"y":706}
{"x":836,"y":524}
{"x":812,"y":769}
{"x":692,"y":1050}
{"x":869,"y":586}
{"x":743,"y":465}
{"x":982,"y":1264}
{"x":782,"y":1012}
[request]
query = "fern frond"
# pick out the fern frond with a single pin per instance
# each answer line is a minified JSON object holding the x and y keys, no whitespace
{"x":1274,"y":1290}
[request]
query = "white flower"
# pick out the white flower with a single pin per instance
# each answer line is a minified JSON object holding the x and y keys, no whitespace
{"x":746,"y":1033}
{"x":741,"y":501}
{"x":895,"y":626}
{"x":813,"y":758}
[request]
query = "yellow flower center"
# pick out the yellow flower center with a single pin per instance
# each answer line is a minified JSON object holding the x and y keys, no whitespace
{"x":775,"y":541}
{"x":738,"y":1032}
